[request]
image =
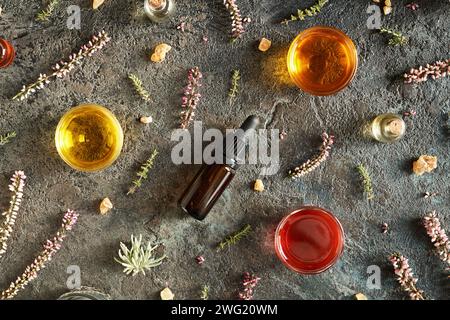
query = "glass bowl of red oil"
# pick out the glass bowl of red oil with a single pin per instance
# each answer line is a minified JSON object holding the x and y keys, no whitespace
{"x":7,"y":53}
{"x":309,"y":240}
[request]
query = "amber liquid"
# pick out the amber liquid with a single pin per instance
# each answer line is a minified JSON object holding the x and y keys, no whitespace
{"x":309,"y":240}
{"x":89,"y":138}
{"x":322,"y":60}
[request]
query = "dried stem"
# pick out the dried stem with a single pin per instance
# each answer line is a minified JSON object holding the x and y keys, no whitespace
{"x":234,"y":89}
{"x":139,"y":87}
{"x":46,"y":13}
{"x":397,"y":39}
{"x":438,"y":236}
{"x":191,"y":97}
{"x":405,"y":276}
{"x":6,"y":227}
{"x":437,"y":70}
{"x":62,"y":68}
{"x":314,"y":163}
{"x":51,"y":247}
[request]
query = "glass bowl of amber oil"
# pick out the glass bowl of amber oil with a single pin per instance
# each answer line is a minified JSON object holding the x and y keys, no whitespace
{"x":322,"y":60}
{"x":89,"y":138}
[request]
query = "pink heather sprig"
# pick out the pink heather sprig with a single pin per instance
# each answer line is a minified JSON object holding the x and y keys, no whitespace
{"x":437,"y":70}
{"x":438,"y":236}
{"x":405,"y":276}
{"x":62,"y":68}
{"x":249,"y":282}
{"x":191,"y":97}
{"x":313,"y":163}
{"x":51,"y":247}
{"x":6,"y":227}
{"x":237,"y":25}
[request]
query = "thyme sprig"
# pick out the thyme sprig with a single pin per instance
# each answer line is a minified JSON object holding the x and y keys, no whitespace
{"x":204,"y":295}
{"x":234,"y":89}
{"x":6,"y":138}
{"x":367,"y":181}
{"x":46,"y":13}
{"x":234,"y":238}
{"x":396,"y":38}
{"x":142,"y":174}
{"x":309,"y":12}
{"x":139,"y":87}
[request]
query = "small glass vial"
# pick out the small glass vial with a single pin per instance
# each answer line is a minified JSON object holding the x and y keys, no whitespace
{"x":7,"y":53}
{"x":387,"y":127}
{"x":89,"y":138}
{"x":159,"y":10}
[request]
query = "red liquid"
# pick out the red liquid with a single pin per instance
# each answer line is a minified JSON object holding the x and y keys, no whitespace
{"x":7,"y":53}
{"x":309,"y":240}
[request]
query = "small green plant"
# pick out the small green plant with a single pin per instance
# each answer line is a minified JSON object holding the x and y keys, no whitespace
{"x":234,"y":238}
{"x":139,"y":257}
{"x":6,"y":138}
{"x":367,"y":181}
{"x":309,"y":12}
{"x":234,"y":89}
{"x":139,"y":87}
{"x":46,"y":13}
{"x":142,"y":174}
{"x":397,"y":39}
{"x":204,"y":295}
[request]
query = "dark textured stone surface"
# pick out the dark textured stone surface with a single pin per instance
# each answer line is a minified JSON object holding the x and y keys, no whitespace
{"x":52,"y":187}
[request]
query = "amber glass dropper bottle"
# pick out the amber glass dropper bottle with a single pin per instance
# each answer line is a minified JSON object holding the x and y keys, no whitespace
{"x":212,"y":180}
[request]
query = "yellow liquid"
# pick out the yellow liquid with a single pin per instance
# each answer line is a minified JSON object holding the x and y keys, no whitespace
{"x":322,"y":60}
{"x":89,"y":138}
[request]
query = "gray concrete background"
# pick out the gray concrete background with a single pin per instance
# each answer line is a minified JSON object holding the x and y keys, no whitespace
{"x":52,"y":186}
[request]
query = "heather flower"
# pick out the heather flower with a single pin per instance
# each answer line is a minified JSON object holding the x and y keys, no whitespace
{"x":51,"y":247}
{"x":437,"y":70}
{"x":405,"y":276}
{"x":6,"y":227}
{"x":412,"y":6}
{"x":314,"y":163}
{"x":237,"y":26}
{"x":438,"y":236}
{"x":191,"y":97}
{"x":61,"y":69}
{"x":249,"y":282}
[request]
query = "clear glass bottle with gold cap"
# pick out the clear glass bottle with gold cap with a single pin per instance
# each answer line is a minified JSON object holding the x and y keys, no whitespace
{"x":159,"y":10}
{"x":387,"y":127}
{"x":89,"y":138}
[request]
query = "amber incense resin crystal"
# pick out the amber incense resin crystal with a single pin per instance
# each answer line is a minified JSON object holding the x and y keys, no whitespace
{"x":309,"y":240}
{"x":322,"y":60}
{"x":89,"y":138}
{"x":7,"y":53}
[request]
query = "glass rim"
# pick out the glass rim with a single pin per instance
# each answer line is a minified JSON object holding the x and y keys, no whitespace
{"x":110,"y":116}
{"x":279,"y":251}
{"x":349,"y":44}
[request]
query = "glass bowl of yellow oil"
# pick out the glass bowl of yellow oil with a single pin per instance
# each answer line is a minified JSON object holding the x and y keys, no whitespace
{"x":89,"y":138}
{"x":322,"y":60}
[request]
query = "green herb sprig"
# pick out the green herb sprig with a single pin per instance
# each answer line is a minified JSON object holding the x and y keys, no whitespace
{"x":6,"y":138}
{"x":204,"y":295}
{"x":309,"y":12}
{"x":142,"y":174}
{"x":46,"y":13}
{"x":139,"y":87}
{"x":367,"y":181}
{"x":397,"y":38}
{"x":234,"y":89}
{"x":234,"y":238}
